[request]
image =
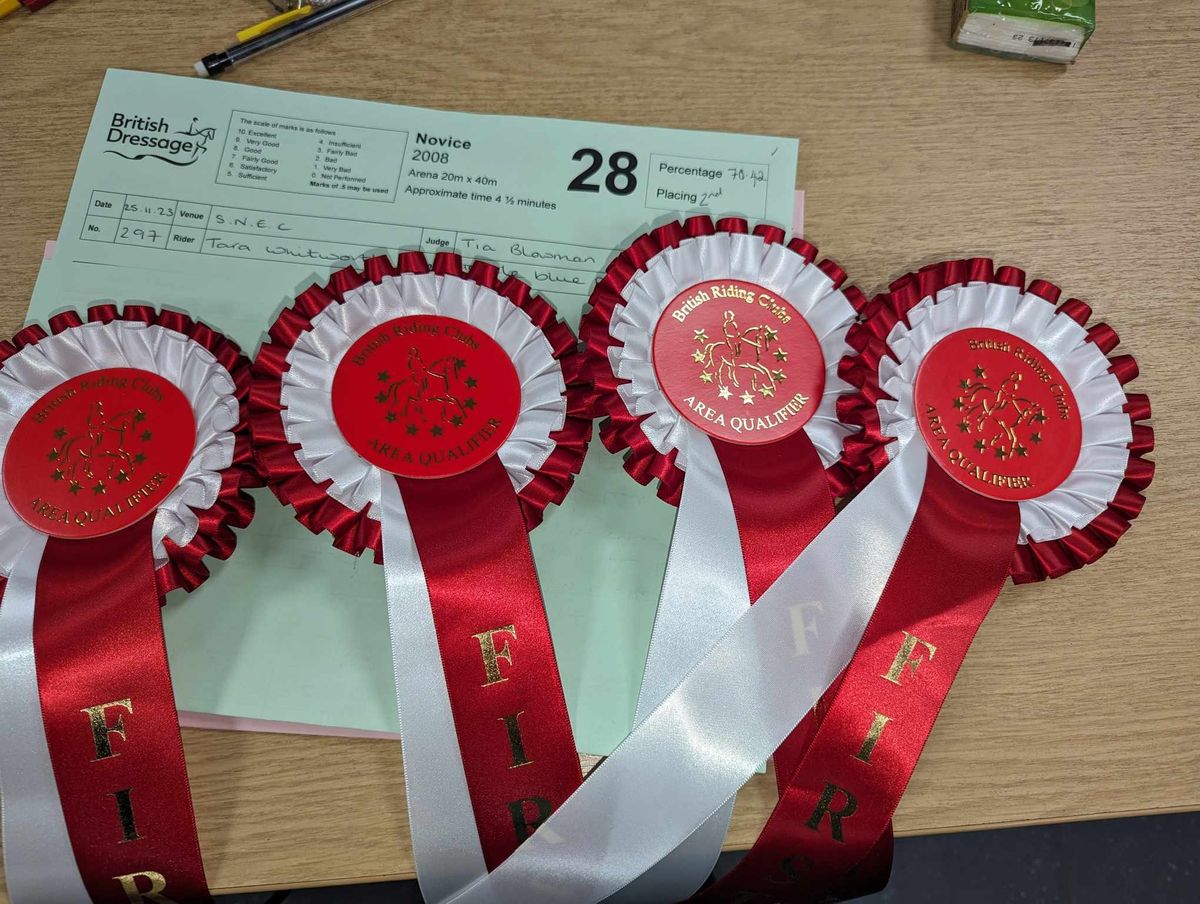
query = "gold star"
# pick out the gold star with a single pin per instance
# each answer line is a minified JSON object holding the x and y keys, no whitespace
{"x":75,"y":488}
{"x":979,"y":444}
{"x":766,"y":391}
{"x":701,"y":336}
{"x":958,"y":403}
{"x":980,"y":372}
{"x":964,"y":427}
{"x":705,"y":377}
{"x":1040,"y":417}
{"x":698,"y":356}
{"x":1022,"y":451}
{"x":964,"y":384}
{"x":747,"y":399}
{"x":1000,"y":452}
{"x":780,"y":355}
{"x":724,"y":392}
{"x":58,"y":474}
{"x":769,"y":335}
{"x":98,"y":488}
{"x":122,"y":477}
{"x":779,"y":376}
{"x":1036,"y":437}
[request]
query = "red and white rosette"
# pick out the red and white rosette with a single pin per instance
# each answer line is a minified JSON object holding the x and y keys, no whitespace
{"x":1012,"y":448}
{"x":1080,"y":517}
{"x":125,"y":454}
{"x":431,"y":415}
{"x":714,"y":350}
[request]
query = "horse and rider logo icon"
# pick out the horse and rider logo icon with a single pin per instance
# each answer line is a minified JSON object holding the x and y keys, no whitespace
{"x":746,"y":362}
{"x":433,"y":395}
{"x":106,"y":452}
{"x":999,"y":417}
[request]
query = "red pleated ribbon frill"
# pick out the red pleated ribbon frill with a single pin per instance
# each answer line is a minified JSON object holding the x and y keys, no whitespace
{"x":470,"y":532}
{"x":234,"y":507}
{"x":621,"y":431}
{"x":354,"y":532}
{"x":108,"y":709}
{"x":866,"y":452}
{"x":781,"y":492}
{"x":829,"y":837}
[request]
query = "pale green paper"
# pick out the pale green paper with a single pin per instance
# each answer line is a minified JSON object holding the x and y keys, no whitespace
{"x":291,"y":629}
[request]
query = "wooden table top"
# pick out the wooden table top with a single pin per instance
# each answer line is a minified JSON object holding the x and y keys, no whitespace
{"x":1079,"y":696}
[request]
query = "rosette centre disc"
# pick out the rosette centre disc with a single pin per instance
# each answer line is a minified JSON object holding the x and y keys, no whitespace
{"x":997,"y":415}
{"x":426,"y":396}
{"x":738,"y":361}
{"x":98,"y":452}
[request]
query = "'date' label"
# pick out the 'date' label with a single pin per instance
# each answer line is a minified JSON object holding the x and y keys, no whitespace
{"x":738,"y":361}
{"x":426,"y":396}
{"x":997,"y":415}
{"x":98,"y":452}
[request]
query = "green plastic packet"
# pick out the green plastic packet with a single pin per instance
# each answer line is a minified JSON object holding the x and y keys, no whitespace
{"x":1049,"y":30}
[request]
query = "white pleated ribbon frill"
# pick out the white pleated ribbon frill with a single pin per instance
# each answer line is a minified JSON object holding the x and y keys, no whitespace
{"x":705,"y":550}
{"x":39,"y":862}
{"x":749,"y":690}
{"x":1107,"y":429}
{"x":446,"y":846}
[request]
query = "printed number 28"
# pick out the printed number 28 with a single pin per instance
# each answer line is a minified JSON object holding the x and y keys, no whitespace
{"x":621,"y":178}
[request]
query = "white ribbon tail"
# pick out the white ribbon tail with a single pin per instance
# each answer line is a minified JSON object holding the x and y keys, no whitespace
{"x":445,"y":841}
{"x":704,"y":592}
{"x":39,"y":863}
{"x":729,"y":713}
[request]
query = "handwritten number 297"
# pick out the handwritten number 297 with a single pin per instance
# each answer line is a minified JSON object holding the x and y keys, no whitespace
{"x":621,"y":178}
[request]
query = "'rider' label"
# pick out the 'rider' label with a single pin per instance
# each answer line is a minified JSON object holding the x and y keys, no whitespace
{"x":426,"y":396}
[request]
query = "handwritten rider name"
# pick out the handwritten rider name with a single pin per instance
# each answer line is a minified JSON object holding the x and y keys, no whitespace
{"x":738,"y":361}
{"x":425,"y":396}
{"x":997,"y":414}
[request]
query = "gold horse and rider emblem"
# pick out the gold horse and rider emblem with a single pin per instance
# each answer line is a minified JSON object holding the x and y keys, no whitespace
{"x":98,"y":452}
{"x":434,"y":393}
{"x":995,"y":414}
{"x":101,"y":451}
{"x":738,"y":361}
{"x":426,"y":396}
{"x":741,"y":354}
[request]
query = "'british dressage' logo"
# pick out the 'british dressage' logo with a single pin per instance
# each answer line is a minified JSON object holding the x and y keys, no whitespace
{"x":146,"y":137}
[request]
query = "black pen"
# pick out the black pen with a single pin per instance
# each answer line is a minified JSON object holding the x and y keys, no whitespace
{"x":216,"y":63}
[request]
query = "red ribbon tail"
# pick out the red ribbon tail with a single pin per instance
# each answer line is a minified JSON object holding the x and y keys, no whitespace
{"x":506,"y":695}
{"x":110,"y":719}
{"x":829,"y":835}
